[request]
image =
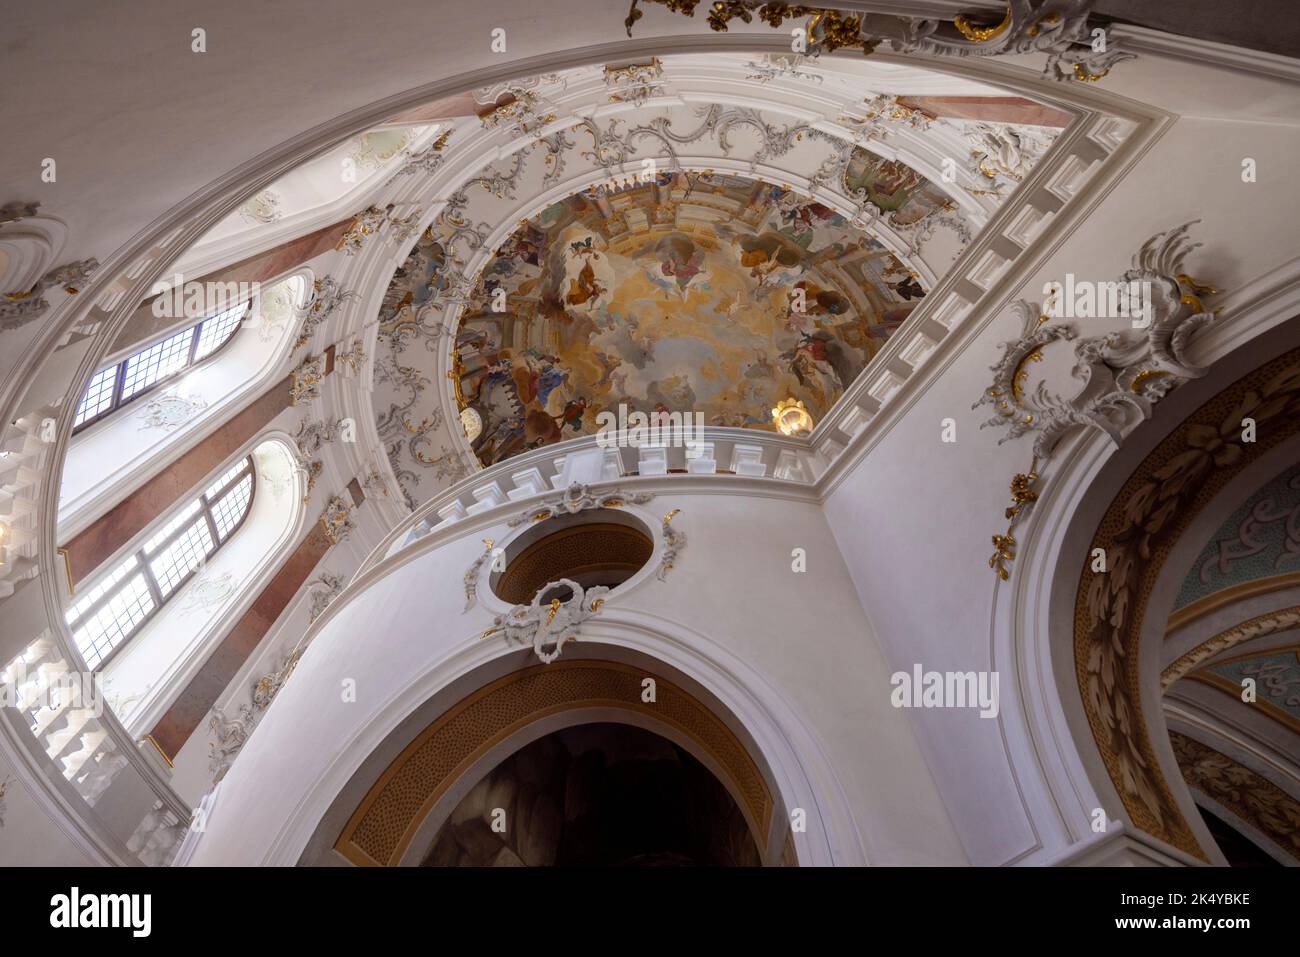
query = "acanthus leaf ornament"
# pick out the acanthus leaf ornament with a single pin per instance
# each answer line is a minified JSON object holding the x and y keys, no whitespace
{"x":326,"y":299}
{"x":305,"y":380}
{"x":577,"y":498}
{"x":337,"y":519}
{"x":1122,"y":372}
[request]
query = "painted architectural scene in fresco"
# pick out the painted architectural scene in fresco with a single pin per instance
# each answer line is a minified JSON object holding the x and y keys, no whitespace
{"x":696,"y":293}
{"x":902,"y":195}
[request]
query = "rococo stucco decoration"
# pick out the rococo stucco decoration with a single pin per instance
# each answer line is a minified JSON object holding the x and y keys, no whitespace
{"x":170,"y":410}
{"x":327,"y":297}
{"x":323,"y":589}
{"x":1059,"y":28}
{"x":576,"y":498}
{"x":305,"y":380}
{"x":19,"y":308}
{"x":337,"y":519}
{"x":595,"y":311}
{"x":1123,"y":374}
{"x":548,"y":623}
{"x":1142,"y":525}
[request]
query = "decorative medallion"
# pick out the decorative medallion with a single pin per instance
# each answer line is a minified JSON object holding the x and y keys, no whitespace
{"x":208,"y":592}
{"x":548,"y":624}
{"x":170,"y":410}
{"x":262,"y":208}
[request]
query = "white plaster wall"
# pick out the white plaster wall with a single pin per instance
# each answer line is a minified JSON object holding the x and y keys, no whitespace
{"x":191,"y":773}
{"x":805,"y":634}
{"x":915,"y":516}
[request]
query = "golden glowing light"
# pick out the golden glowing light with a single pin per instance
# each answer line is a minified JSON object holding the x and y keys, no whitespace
{"x":792,"y":418}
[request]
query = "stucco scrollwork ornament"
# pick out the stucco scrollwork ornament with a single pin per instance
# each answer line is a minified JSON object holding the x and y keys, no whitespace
{"x":323,"y":589}
{"x":1004,"y":154}
{"x":471,"y":573}
{"x":364,"y":225}
{"x":883,"y":114}
{"x":337,"y":519}
{"x":19,"y":308}
{"x":548,"y":623}
{"x":264,"y":208}
{"x":327,"y":297}
{"x":1123,"y":373}
{"x":208,"y":592}
{"x":1062,"y":29}
{"x":229,"y":736}
{"x":577,"y":498}
{"x":304,"y":385}
{"x":170,"y":410}
{"x":636,"y":82}
{"x":674,"y":542}
{"x":781,"y":66}
{"x":426,"y":161}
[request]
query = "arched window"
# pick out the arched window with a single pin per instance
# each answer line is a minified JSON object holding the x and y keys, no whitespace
{"x":132,"y":377}
{"x":133,"y":592}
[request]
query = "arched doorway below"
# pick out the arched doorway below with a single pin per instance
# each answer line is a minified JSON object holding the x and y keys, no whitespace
{"x":596,"y":795}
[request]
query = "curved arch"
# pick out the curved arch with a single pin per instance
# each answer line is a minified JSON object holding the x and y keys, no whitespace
{"x":157,"y":663}
{"x":801,"y":774}
{"x":1140,"y":528}
{"x":523,"y":705}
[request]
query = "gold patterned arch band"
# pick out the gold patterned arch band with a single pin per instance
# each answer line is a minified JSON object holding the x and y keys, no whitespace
{"x":1143,"y":523}
{"x":387,"y":820}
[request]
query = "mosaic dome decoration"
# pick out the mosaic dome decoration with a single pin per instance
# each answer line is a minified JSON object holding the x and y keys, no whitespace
{"x":695,"y":293}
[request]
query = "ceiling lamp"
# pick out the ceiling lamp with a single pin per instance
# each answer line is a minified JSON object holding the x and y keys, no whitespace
{"x":792,"y":418}
{"x":471,"y":422}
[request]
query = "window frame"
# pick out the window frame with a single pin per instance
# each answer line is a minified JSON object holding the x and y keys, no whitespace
{"x":206,"y":504}
{"x":119,"y":374}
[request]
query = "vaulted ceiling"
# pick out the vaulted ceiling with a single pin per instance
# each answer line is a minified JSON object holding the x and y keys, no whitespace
{"x":683,"y":234}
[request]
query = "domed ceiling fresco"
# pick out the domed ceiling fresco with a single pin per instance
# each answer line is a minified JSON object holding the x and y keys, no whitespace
{"x":695,"y":293}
